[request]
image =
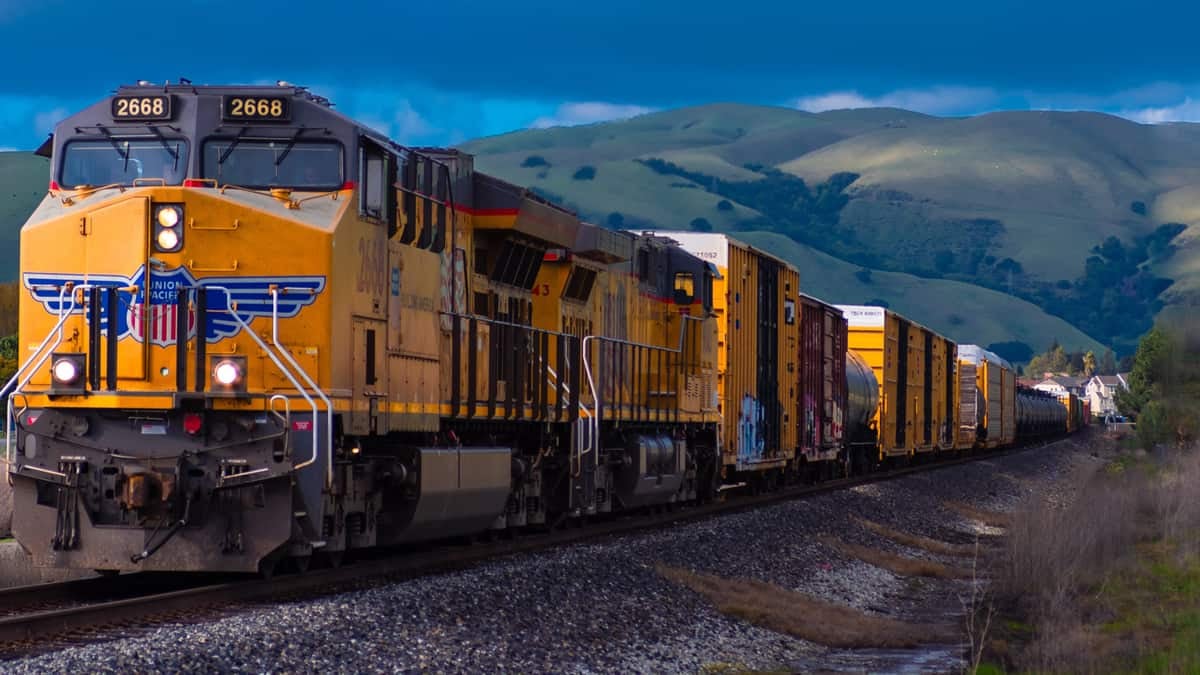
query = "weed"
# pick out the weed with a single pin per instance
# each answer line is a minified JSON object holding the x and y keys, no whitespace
{"x":919,"y":542}
{"x":990,"y":518}
{"x":904,"y":566}
{"x":804,"y":616}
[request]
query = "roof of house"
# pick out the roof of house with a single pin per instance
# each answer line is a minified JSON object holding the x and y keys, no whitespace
{"x":1065,"y":381}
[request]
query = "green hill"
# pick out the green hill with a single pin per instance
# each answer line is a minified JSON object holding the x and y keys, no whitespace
{"x":1074,"y":212}
{"x":23,"y":181}
{"x":960,"y":311}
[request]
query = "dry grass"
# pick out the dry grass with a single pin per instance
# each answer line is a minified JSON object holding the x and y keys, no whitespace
{"x":1067,"y":569}
{"x":919,"y":542}
{"x":908,"y":567}
{"x":990,"y":518}
{"x":804,"y":616}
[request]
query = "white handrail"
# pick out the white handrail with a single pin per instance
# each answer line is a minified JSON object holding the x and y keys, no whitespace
{"x":232,"y":310}
{"x":328,"y":404}
{"x":9,"y":390}
{"x":587,"y":367}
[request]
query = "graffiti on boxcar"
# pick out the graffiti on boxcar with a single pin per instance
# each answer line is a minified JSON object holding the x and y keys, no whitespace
{"x":751,"y":443}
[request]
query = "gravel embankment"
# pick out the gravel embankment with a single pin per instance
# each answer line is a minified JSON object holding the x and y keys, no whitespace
{"x":602,"y":607}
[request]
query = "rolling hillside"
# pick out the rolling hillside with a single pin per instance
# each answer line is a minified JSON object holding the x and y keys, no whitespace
{"x":1015,"y":201}
{"x":943,"y":305}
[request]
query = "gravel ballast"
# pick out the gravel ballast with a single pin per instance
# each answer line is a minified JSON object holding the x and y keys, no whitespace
{"x":602,"y":606}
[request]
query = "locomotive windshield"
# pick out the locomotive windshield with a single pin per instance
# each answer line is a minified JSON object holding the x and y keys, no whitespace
{"x":300,"y":165}
{"x":121,"y":161}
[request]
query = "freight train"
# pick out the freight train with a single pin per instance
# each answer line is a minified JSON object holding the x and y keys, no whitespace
{"x":257,"y":330}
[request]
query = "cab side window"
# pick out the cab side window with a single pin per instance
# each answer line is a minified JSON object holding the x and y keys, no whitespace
{"x":375,"y":198}
{"x":685,"y":288}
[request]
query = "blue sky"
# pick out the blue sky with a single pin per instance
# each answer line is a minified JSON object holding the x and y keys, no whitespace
{"x":445,"y":71}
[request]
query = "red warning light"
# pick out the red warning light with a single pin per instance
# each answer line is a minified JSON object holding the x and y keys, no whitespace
{"x":192,"y":423}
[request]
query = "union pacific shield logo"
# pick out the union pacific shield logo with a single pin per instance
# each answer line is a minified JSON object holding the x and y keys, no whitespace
{"x":151,"y":313}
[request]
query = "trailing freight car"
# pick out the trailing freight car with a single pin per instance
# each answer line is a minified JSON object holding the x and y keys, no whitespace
{"x":914,"y":367}
{"x":755,"y":299}
{"x":822,"y":384}
{"x":987,"y":399}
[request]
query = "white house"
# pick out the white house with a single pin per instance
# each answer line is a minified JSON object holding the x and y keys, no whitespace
{"x":1102,"y":391}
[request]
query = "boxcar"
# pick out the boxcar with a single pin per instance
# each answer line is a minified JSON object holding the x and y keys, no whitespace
{"x":987,"y":389}
{"x":822,"y":400}
{"x":894,"y":349}
{"x":758,"y":332}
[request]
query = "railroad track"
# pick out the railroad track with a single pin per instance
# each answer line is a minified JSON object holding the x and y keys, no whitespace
{"x":43,"y":617}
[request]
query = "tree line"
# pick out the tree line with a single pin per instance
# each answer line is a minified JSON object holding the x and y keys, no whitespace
{"x":1164,"y":385}
{"x":1082,"y":363}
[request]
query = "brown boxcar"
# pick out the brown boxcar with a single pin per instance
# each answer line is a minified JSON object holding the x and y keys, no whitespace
{"x":822,"y":399}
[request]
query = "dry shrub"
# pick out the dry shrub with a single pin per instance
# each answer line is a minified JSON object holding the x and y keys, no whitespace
{"x":1052,"y":552}
{"x":804,"y":616}
{"x":1058,"y":559}
{"x":990,"y":518}
{"x":920,"y":542}
{"x":904,"y":566}
{"x":1067,"y":644}
{"x":1175,"y":503}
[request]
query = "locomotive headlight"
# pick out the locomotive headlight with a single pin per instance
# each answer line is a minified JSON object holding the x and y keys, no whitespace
{"x":167,"y":240}
{"x":168,"y":229}
{"x":229,"y":373}
{"x":168,"y":216}
{"x":66,"y":373}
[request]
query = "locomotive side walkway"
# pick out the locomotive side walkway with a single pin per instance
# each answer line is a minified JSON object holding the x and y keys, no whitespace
{"x":625,"y":604}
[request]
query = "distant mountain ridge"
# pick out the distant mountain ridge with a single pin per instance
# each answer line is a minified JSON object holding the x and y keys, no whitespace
{"x":1021,"y":202}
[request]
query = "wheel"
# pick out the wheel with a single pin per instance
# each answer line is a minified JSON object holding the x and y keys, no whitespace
{"x":301,"y":563}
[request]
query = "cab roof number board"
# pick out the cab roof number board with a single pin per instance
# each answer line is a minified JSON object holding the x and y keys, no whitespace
{"x":249,"y":108}
{"x":146,"y":108}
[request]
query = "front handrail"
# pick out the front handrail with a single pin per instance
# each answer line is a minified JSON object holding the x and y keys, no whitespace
{"x":328,"y":404}
{"x":286,"y":417}
{"x":29,"y":367}
{"x":231,"y":304}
